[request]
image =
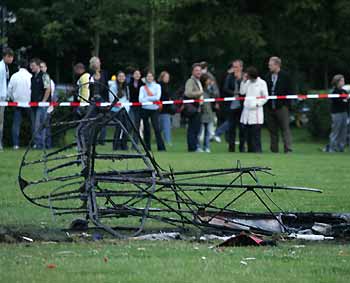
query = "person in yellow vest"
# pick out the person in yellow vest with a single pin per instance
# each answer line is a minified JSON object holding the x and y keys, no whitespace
{"x":82,"y":82}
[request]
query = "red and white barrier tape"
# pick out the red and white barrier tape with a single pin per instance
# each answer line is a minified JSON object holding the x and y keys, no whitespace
{"x":138,"y":104}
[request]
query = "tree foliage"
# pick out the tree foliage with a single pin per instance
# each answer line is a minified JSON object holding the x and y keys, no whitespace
{"x":310,"y":35}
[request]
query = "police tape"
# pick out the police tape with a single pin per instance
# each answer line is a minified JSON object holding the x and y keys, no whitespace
{"x":175,"y":102}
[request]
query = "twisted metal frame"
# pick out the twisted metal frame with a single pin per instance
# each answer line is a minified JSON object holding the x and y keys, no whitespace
{"x":73,"y":179}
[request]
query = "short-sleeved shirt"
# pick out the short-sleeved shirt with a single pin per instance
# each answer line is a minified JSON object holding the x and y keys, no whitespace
{"x":83,"y":84}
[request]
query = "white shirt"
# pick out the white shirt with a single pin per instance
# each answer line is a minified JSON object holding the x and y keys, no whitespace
{"x":19,"y":86}
{"x":3,"y":80}
{"x":53,"y":94}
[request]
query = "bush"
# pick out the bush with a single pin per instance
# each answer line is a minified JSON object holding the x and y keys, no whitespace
{"x":319,"y":124}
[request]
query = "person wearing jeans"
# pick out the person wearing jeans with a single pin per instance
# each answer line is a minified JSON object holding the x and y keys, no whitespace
{"x":339,"y":109}
{"x":151,"y":92}
{"x":207,"y":114}
{"x":234,"y":108}
{"x":165,"y":113}
{"x":40,"y":92}
{"x":19,"y":90}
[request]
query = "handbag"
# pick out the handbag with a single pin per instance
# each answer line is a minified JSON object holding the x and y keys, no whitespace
{"x":190,"y":109}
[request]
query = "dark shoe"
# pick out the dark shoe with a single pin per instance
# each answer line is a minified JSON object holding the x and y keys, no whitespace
{"x":231,"y":148}
{"x":288,"y":150}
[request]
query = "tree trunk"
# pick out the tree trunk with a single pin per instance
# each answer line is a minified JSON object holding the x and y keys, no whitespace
{"x":97,"y":43}
{"x":57,"y":68}
{"x":151,"y":40}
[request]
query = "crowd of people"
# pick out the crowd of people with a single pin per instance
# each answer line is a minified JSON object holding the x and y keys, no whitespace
{"x":242,"y":118}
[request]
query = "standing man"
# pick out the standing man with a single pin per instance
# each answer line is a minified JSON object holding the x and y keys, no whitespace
{"x":232,"y":89}
{"x":278,"y":83}
{"x":82,"y":82}
{"x":194,"y":90}
{"x":43,"y":68}
{"x":19,"y":90}
{"x":41,"y":92}
{"x":7,"y":58}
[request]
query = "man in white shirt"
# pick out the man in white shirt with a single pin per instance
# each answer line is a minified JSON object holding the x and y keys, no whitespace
{"x":7,"y":58}
{"x":19,"y":90}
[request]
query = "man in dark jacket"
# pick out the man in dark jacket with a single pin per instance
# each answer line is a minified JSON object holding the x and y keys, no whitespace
{"x":277,"y":111}
{"x":40,"y":92}
{"x":233,"y":109}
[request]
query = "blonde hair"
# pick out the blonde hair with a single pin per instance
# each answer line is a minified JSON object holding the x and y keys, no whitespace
{"x":162,"y":75}
{"x":276,"y":60}
{"x":93,"y":61}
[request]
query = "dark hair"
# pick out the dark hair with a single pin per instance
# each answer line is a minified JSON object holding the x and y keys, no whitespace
{"x":204,"y":79}
{"x":204,"y":64}
{"x":36,"y":61}
{"x":137,"y":69}
{"x":252,"y":73}
{"x":149,"y":71}
{"x":336,"y":79}
{"x":195,"y":65}
{"x":80,"y":66}
{"x":22,"y":63}
{"x":124,"y":84}
{"x":7,"y":52}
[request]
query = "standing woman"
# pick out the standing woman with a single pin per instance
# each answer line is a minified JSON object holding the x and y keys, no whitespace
{"x":151,"y":92}
{"x":122,"y":91}
{"x":166,"y":111}
{"x":135,"y":111}
{"x":207,"y":116}
{"x":253,"y":115}
{"x":99,"y":90}
{"x":339,"y":109}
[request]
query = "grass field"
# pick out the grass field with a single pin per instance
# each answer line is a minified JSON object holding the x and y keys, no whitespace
{"x":177,"y":261}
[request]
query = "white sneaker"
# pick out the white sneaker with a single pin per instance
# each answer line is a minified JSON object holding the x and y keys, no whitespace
{"x":199,"y":150}
{"x":217,"y":139}
{"x":1,"y":148}
{"x":15,"y":147}
{"x":207,"y":150}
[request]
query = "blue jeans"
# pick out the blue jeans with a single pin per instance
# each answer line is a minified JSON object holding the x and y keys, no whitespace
{"x":17,"y":121}
{"x":206,"y":140}
{"x":165,"y":127}
{"x":40,"y":131}
{"x":223,"y":128}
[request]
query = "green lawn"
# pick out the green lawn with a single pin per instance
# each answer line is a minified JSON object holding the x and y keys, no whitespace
{"x":177,"y":261}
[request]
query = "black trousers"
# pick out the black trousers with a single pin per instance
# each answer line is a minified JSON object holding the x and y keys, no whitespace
{"x":234,"y":117}
{"x":152,"y":115}
{"x":253,"y":134}
{"x":193,"y":130}
{"x":120,"y":138}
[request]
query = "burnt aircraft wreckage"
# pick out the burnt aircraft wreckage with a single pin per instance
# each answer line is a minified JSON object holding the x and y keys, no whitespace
{"x":122,"y":190}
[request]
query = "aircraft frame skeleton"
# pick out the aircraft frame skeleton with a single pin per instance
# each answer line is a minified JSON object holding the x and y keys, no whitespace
{"x":75,"y":180}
